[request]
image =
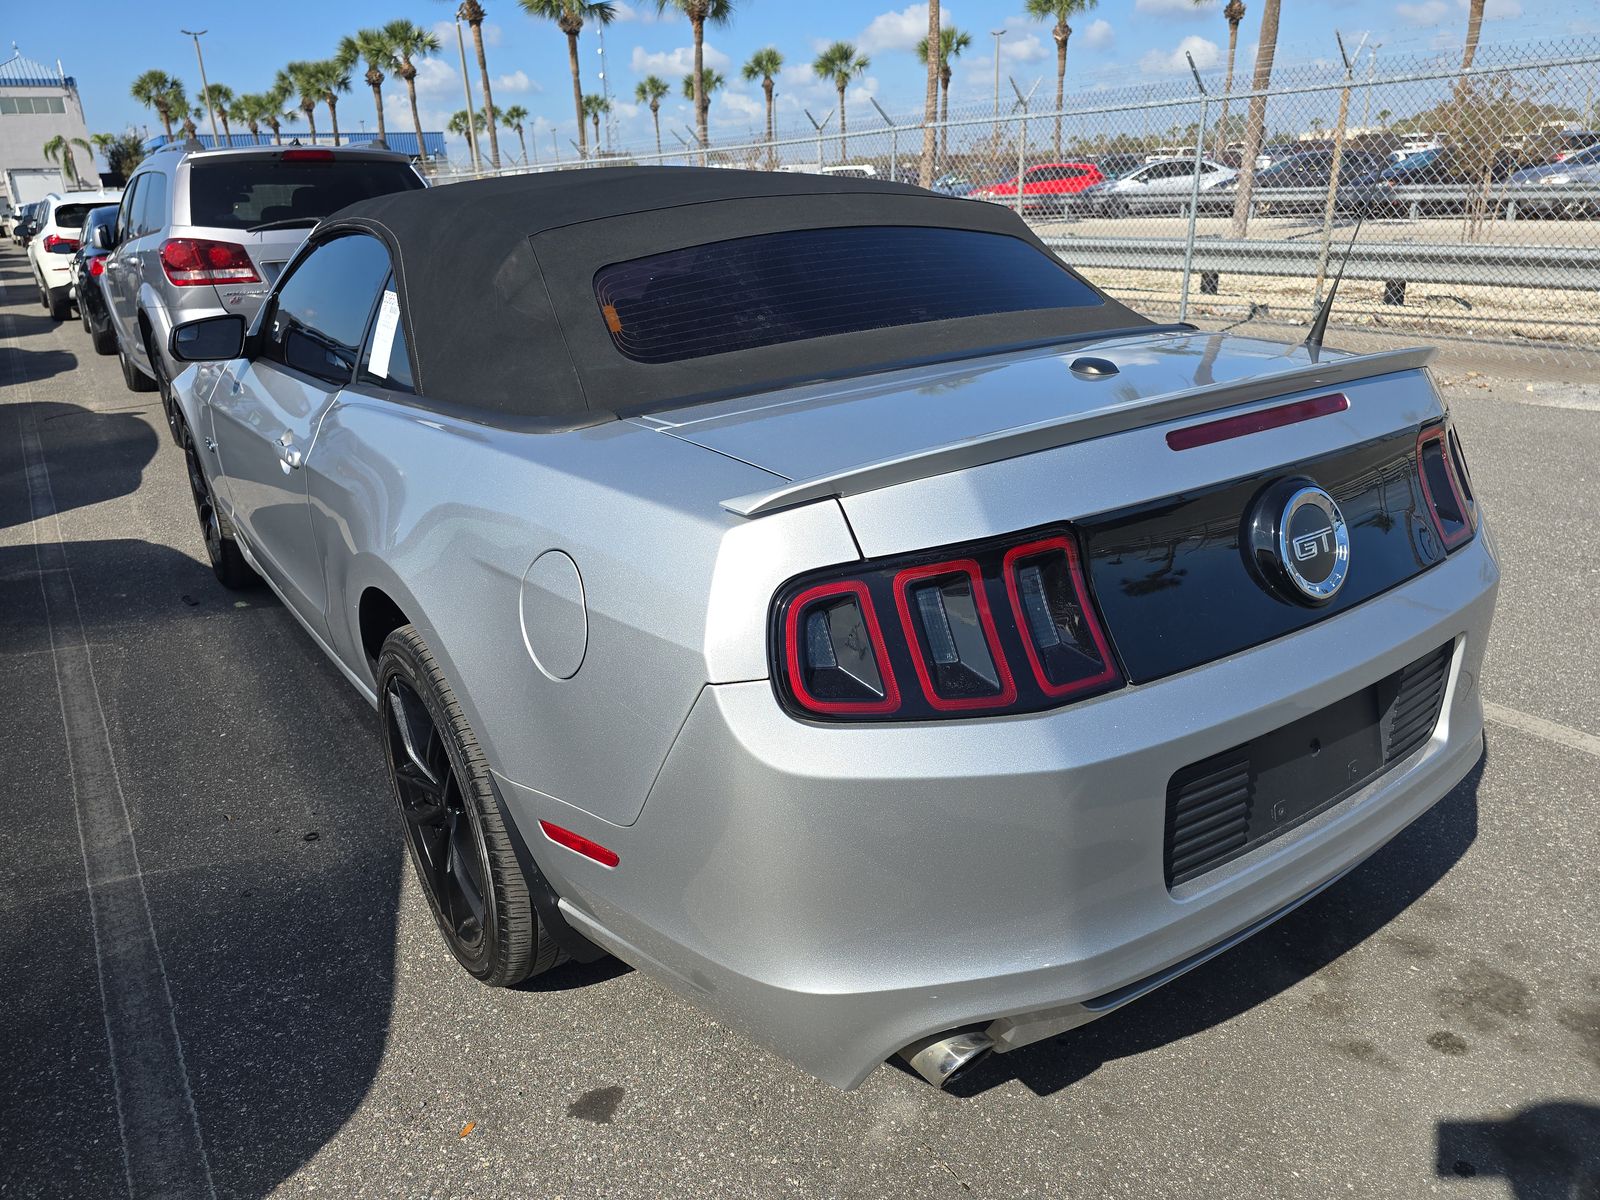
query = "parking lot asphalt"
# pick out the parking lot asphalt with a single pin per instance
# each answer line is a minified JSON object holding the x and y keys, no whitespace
{"x":1429,"y":1026}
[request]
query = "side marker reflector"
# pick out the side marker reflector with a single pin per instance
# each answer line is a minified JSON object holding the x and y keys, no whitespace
{"x":579,"y":844}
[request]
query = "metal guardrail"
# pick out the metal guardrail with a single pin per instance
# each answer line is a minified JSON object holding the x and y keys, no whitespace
{"x":1561,"y":267}
{"x":1502,"y":202}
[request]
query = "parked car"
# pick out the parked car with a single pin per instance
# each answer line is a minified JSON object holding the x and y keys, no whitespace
{"x":1578,"y":178}
{"x":8,"y":220}
{"x":1451,"y":177}
{"x":88,"y":269}
{"x":1154,"y":188}
{"x":1308,"y":172}
{"x":1114,"y":166}
{"x":951,"y":183}
{"x":816,"y":594}
{"x":1276,"y":153}
{"x":1045,"y":187}
{"x":27,"y":223}
{"x":54,"y":242}
{"x":852,"y":170}
{"x":207,"y":231}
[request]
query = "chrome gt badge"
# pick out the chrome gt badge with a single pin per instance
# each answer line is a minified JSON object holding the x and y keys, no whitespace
{"x":1297,"y":539}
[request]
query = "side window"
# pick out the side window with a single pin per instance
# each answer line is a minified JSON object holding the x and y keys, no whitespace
{"x":125,"y":211}
{"x":319,"y":316}
{"x":151,"y":213}
{"x":384,"y":361}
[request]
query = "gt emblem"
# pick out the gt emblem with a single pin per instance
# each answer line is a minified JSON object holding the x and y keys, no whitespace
{"x":1296,"y":538}
{"x":1308,"y":546}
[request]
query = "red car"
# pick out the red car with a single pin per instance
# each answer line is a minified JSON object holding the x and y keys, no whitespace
{"x":1045,"y":187}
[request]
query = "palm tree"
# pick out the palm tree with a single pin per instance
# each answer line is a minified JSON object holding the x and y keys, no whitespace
{"x":373,"y":47}
{"x":1383,"y":118}
{"x":514,"y":118}
{"x":104,"y":143}
{"x":334,"y":78}
{"x":279,"y":112}
{"x":162,"y":92}
{"x":764,"y":65}
{"x":710,"y":81}
{"x":569,"y":16}
{"x":1061,"y":12}
{"x":218,"y":97}
{"x":650,"y":90}
{"x":59,"y":149}
{"x":1474,"y":28}
{"x":300,"y":80}
{"x":841,"y":63}
{"x":251,"y":108}
{"x":593,"y":108}
{"x":952,"y":42}
{"x":411,"y":42}
{"x":1233,"y":14}
{"x":930,"y":102}
{"x":718,"y":12}
{"x":1255,"y":122}
{"x":472,"y":13}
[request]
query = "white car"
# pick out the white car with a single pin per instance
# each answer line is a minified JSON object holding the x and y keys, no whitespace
{"x":1155,"y":187}
{"x":51,"y":250}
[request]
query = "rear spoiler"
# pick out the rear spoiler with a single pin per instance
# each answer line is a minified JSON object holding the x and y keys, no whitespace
{"x":1078,"y":427}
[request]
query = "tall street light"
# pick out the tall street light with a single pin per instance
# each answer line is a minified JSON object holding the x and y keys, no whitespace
{"x":466,"y":88}
{"x":205,"y":88}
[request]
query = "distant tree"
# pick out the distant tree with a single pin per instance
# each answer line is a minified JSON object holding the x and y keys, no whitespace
{"x":1061,"y":12}
{"x":251,"y":108}
{"x":332,"y":77}
{"x":764,"y":65}
{"x":59,"y":150}
{"x":411,"y":43}
{"x":840,"y":64}
{"x":650,"y":91}
{"x":569,"y":16}
{"x":123,"y":151}
{"x":595,"y":107}
{"x":1383,"y":117}
{"x":163,"y":93}
{"x":952,"y":42}
{"x":710,"y":81}
{"x":1474,"y":27}
{"x":514,"y":119}
{"x":473,"y":14}
{"x":699,"y":12}
{"x":301,"y":81}
{"x":218,"y":98}
{"x":930,"y":103}
{"x":1256,"y":121}
{"x":374,"y":48}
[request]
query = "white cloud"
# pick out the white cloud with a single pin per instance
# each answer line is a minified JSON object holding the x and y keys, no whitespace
{"x":676,"y":63}
{"x":640,"y":13}
{"x":437,"y":78}
{"x":1499,"y":10}
{"x":1206,"y":55}
{"x":1029,"y":48}
{"x":741,"y":104}
{"x":1424,"y":15}
{"x":1176,"y":8}
{"x":1098,"y":36}
{"x":517,"y":81}
{"x":897,"y":30}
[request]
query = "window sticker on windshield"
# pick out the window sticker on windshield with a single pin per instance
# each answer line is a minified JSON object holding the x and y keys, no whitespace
{"x":383,"y":336}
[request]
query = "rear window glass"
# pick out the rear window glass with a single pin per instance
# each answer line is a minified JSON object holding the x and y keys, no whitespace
{"x":798,"y":284}
{"x":239,"y":193}
{"x":70,"y":216}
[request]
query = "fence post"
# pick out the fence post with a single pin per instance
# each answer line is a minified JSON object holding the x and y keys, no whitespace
{"x":894,"y":141}
{"x":1194,"y":195}
{"x":1022,"y":135}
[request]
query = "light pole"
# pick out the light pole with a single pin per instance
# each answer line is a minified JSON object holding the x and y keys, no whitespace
{"x":466,"y":89}
{"x":605,"y":83}
{"x":205,"y":88}
{"x":1372,"y":74}
{"x":997,"y":34}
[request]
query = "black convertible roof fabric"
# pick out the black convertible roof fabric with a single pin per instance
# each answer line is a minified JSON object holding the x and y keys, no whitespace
{"x":496,"y":286}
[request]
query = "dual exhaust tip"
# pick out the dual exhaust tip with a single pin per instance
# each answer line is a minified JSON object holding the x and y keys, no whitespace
{"x":946,"y":1057}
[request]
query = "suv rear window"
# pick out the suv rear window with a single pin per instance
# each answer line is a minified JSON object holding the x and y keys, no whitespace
{"x":70,"y":216}
{"x":808,"y":283}
{"x":241,"y":192}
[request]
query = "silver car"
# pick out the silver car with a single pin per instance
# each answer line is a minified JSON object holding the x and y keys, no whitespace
{"x":203,"y":232}
{"x":1569,"y":188}
{"x":814,"y":593}
{"x":1159,"y":187}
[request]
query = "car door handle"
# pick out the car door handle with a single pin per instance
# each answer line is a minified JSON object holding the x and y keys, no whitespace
{"x":289,"y":456}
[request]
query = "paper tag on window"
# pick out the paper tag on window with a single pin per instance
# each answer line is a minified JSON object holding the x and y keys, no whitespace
{"x":383,"y":336}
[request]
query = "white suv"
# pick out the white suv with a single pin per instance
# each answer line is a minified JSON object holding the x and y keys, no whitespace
{"x":51,"y":250}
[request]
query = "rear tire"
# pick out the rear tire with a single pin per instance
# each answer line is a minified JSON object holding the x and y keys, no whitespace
{"x":463,"y":854}
{"x":105,"y":342}
{"x":60,"y":305}
{"x":228,"y":562}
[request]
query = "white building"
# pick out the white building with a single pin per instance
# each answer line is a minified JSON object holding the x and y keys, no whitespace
{"x":38,"y":103}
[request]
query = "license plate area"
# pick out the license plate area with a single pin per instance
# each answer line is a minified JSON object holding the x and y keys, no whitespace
{"x":1227,"y":804}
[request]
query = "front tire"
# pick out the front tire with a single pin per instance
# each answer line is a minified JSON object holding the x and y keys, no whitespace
{"x":463,"y":854}
{"x":59,"y":304}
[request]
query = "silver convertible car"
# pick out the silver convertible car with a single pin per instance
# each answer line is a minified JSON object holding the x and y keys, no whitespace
{"x":812,"y":592}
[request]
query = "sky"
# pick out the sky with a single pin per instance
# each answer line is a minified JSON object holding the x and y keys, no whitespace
{"x":1118,"y":43}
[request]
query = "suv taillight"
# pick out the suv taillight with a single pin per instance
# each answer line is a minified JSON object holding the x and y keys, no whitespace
{"x":1006,"y":626}
{"x":56,"y":244}
{"x":1445,"y":485}
{"x":192,"y":261}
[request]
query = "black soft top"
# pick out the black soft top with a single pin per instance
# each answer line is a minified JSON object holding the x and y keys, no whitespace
{"x":496,"y":286}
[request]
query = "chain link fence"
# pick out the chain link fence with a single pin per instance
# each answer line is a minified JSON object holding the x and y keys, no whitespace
{"x":1469,"y":201}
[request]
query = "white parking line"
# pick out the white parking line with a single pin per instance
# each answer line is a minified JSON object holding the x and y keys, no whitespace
{"x":1550,"y":731}
{"x":163,"y":1150}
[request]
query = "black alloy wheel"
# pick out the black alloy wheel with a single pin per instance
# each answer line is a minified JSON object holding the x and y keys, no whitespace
{"x":164,"y":386}
{"x":459,"y":845}
{"x":228,"y":562}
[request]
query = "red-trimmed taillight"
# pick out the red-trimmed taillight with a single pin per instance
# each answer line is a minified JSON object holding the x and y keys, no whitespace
{"x":54,"y":243}
{"x":97,"y":265}
{"x":189,"y":262}
{"x":1005,"y":626}
{"x":1442,"y":470}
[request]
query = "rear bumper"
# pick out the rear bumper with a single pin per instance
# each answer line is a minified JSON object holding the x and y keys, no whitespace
{"x":838,"y":892}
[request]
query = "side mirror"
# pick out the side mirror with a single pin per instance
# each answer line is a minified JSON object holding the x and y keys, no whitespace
{"x":210,"y":339}
{"x":103,"y":238}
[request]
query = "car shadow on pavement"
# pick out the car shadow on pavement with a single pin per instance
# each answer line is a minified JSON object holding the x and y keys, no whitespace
{"x":1299,"y":945}
{"x":104,"y":457}
{"x":31,"y":366}
{"x":270,"y":859}
{"x":1548,"y":1151}
{"x":30,"y":325}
